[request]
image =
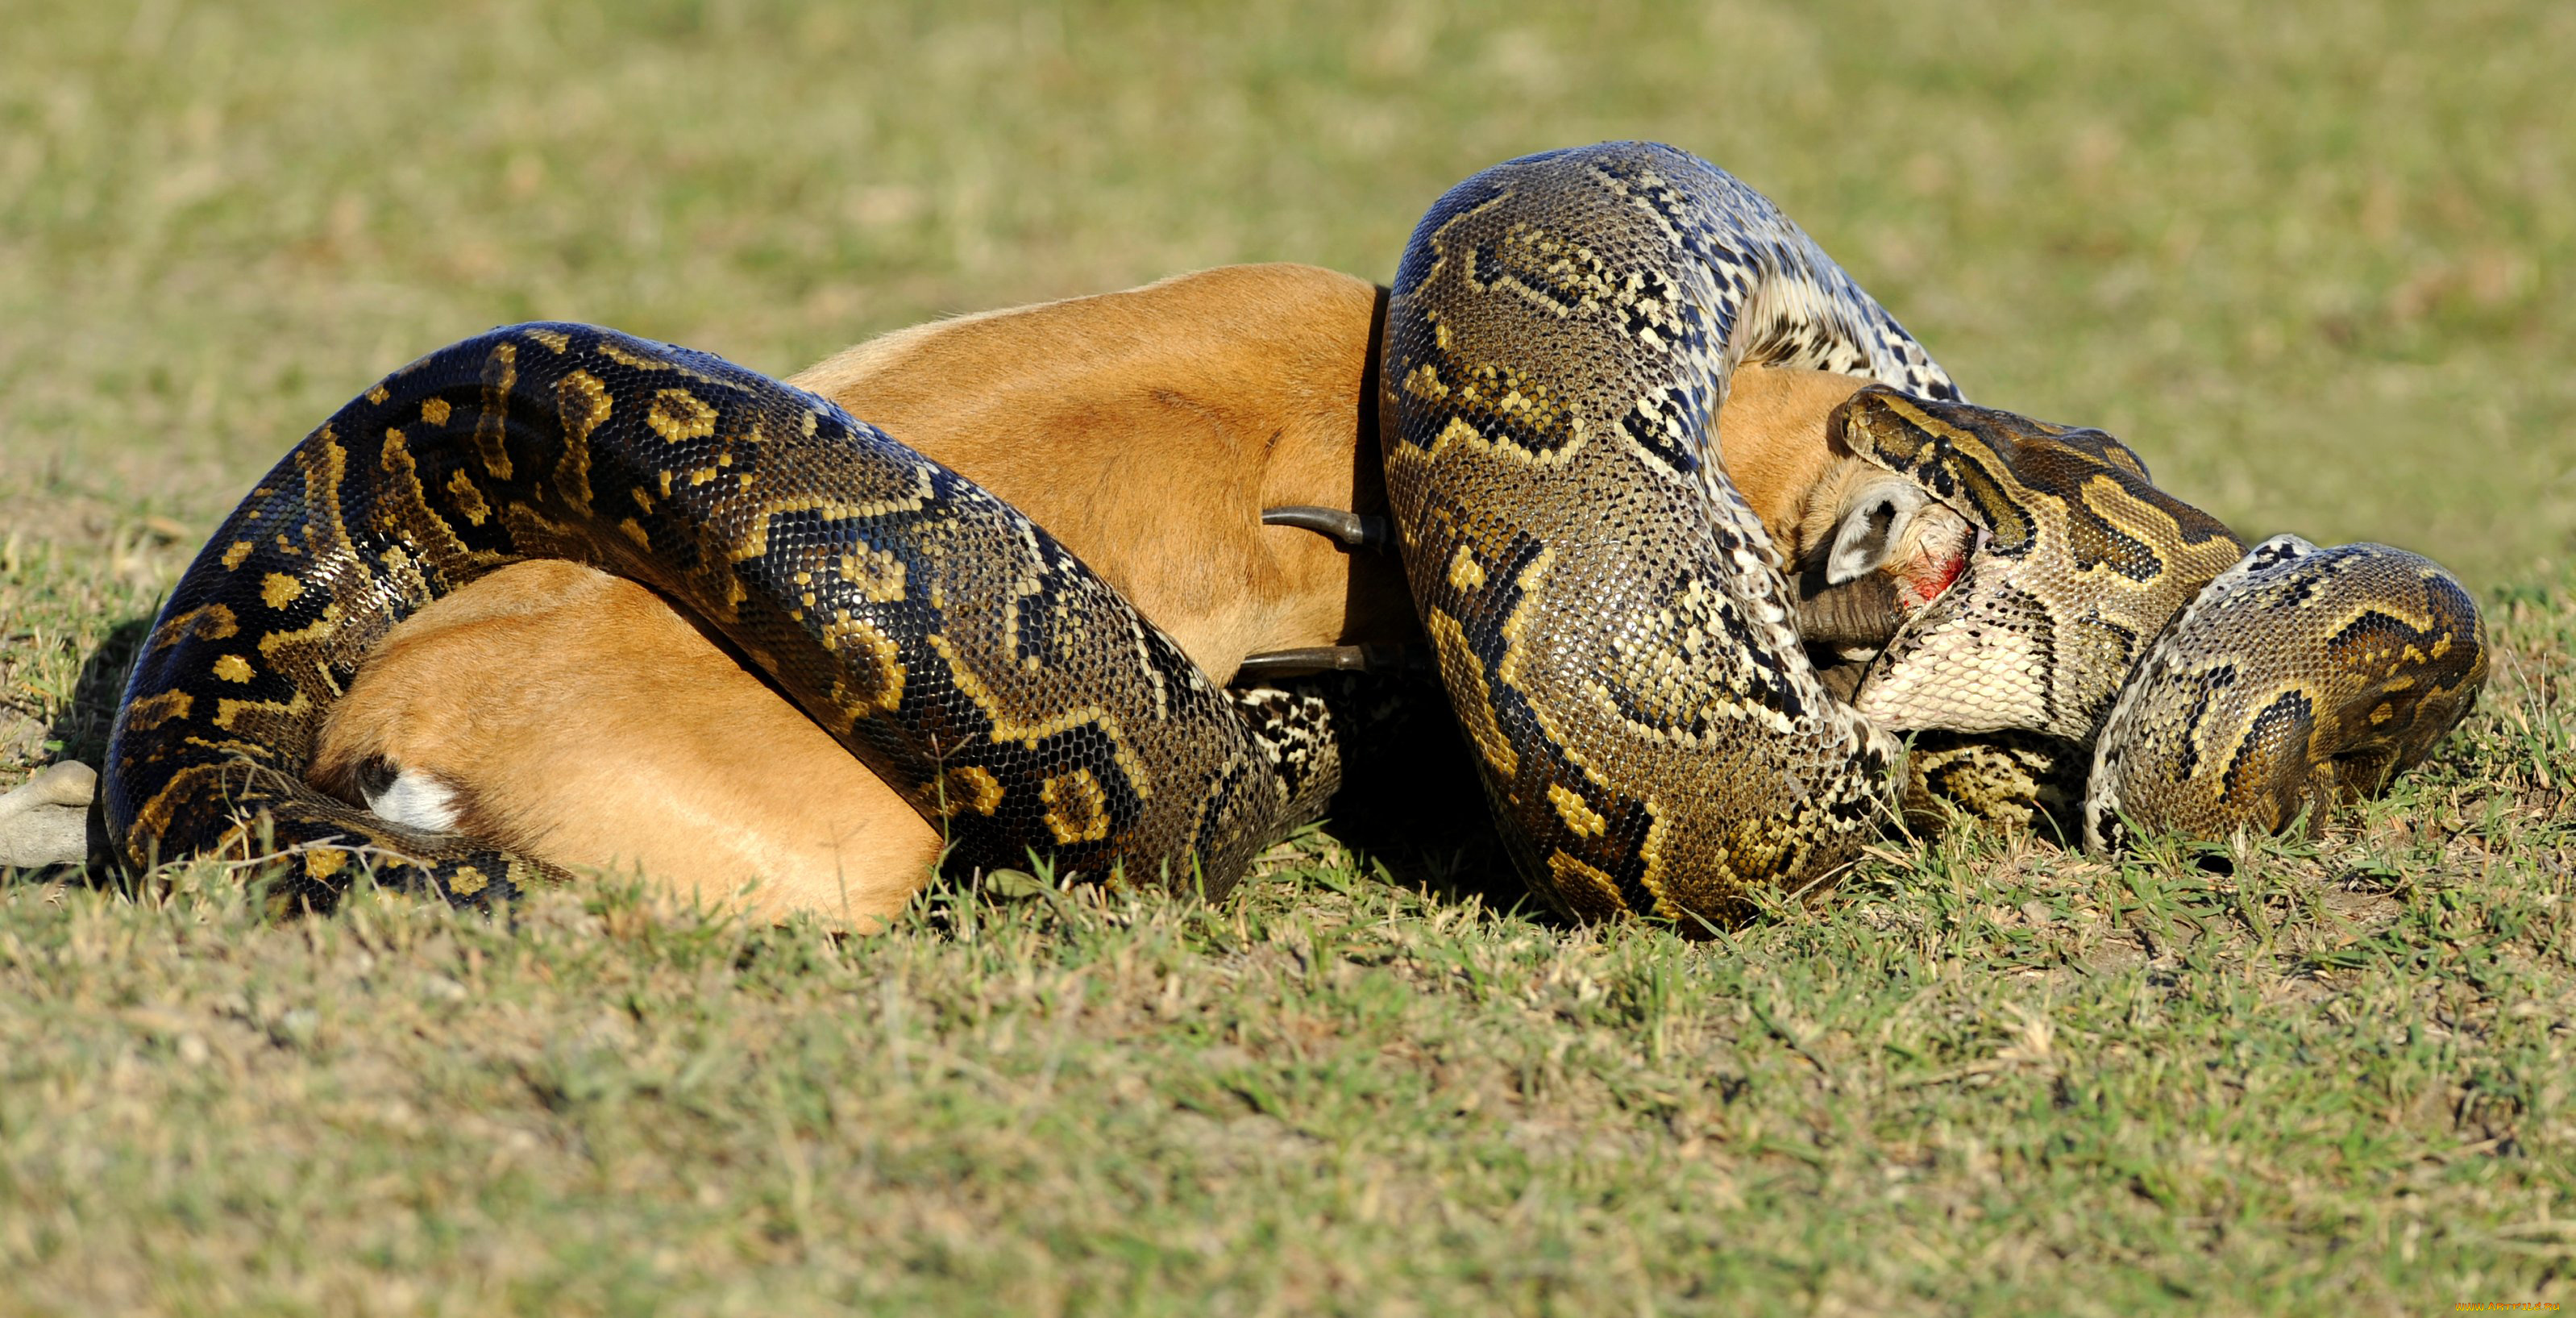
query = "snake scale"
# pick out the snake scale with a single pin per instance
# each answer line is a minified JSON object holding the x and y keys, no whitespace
{"x":1611,"y":624}
{"x":941,"y":636}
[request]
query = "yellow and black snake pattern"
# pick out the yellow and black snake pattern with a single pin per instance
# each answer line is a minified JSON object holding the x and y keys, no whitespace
{"x":2117,"y":649}
{"x":2238,"y":719}
{"x":2002,"y":679}
{"x":1609,"y":619}
{"x":946,"y":640}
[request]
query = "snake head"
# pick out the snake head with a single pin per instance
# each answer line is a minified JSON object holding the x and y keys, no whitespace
{"x":2080,"y":561}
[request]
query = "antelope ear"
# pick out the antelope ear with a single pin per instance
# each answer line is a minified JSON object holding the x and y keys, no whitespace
{"x":1873,"y":524}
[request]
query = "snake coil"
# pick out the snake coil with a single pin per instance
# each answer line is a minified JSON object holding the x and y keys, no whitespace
{"x":1611,"y":621}
{"x":956,"y":648}
{"x":1608,"y":617}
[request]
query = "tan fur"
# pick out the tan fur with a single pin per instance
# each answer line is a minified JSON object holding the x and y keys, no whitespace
{"x":582,"y":719}
{"x":1148,"y":429}
{"x":1802,"y":480}
{"x":1771,"y":439}
{"x":579,"y":718}
{"x":1927,"y":555}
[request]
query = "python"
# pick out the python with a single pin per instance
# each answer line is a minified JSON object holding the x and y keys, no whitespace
{"x":1170,"y":435}
{"x":1590,"y":559}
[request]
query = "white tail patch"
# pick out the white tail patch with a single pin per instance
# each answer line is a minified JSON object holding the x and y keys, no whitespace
{"x":416,"y":800}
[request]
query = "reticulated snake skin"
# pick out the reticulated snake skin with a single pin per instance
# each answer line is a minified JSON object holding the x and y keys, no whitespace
{"x":1609,"y":617}
{"x":1607,"y":613}
{"x":1611,"y":621}
{"x":942,"y":637}
{"x":2236,"y":720}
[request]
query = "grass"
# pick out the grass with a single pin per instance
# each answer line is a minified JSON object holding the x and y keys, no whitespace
{"x":2313,"y":259}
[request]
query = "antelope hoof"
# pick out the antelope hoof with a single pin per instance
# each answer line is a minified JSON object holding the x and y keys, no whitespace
{"x":1353,"y":530}
{"x":1313,"y":659}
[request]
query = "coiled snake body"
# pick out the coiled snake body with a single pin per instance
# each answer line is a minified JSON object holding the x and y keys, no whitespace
{"x":943,"y":638}
{"x":1609,"y":619}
